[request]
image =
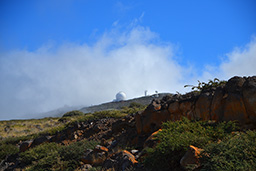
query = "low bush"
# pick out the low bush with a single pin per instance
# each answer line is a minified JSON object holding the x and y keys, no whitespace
{"x":71,"y":155}
{"x":235,"y":152}
{"x":175,"y":138}
{"x":73,"y":113}
{"x":39,"y":152}
{"x":7,"y":149}
{"x":207,"y":85}
{"x":108,"y":113}
{"x":52,"y":131}
{"x":52,"y":156}
{"x":136,"y":105}
{"x":133,"y":108}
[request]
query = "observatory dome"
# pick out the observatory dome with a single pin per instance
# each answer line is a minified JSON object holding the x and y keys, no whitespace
{"x":120,"y":96}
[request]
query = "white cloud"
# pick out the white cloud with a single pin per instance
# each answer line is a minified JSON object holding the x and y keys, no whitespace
{"x":71,"y":74}
{"x":240,"y":62}
{"x":81,"y":74}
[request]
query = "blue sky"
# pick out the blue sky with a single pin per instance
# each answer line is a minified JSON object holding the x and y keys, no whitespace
{"x":81,"y":52}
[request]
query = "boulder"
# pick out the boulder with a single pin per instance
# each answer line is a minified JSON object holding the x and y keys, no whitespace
{"x":96,"y":156}
{"x":122,"y":161}
{"x":85,"y":167}
{"x":191,"y":157}
{"x":100,"y":148}
{"x":127,"y":160}
{"x":39,"y":140}
{"x":235,"y":84}
{"x":151,"y":141}
{"x":156,"y":104}
{"x":25,"y":145}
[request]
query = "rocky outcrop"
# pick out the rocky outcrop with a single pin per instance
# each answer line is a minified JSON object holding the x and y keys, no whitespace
{"x":96,"y":156}
{"x":39,"y":140}
{"x":233,"y":101}
{"x":25,"y":145}
{"x":122,"y":161}
{"x":191,"y":157}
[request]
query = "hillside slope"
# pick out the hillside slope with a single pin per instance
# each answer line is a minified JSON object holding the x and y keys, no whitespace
{"x":212,"y":128}
{"x":145,"y":100}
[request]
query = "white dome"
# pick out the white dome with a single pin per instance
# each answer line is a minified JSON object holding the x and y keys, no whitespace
{"x":120,"y":96}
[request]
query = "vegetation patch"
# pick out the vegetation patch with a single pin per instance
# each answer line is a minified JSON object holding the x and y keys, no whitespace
{"x":175,"y":138}
{"x":7,"y":149}
{"x":235,"y":152}
{"x":73,"y":113}
{"x":52,"y":156}
{"x":17,"y":128}
{"x":207,"y":85}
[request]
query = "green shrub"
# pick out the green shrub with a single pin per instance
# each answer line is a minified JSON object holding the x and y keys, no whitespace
{"x":176,"y":137}
{"x":7,"y":149}
{"x":73,"y":113}
{"x":206,"y":86}
{"x":39,"y":152}
{"x":108,"y":113}
{"x":16,"y":140}
{"x":98,"y":168}
{"x":236,"y":152}
{"x":136,"y":105}
{"x":133,"y":108}
{"x":52,"y":131}
{"x":72,"y":154}
{"x":52,"y":156}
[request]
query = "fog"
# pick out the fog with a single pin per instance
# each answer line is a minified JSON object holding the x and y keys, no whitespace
{"x":132,"y":61}
{"x":81,"y":74}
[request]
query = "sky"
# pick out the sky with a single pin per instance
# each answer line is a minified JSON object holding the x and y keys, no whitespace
{"x":56,"y":53}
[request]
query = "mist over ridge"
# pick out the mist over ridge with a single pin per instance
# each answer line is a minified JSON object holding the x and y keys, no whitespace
{"x":81,"y":74}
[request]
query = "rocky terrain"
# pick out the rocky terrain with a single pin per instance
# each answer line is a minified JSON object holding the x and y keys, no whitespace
{"x":138,"y":140}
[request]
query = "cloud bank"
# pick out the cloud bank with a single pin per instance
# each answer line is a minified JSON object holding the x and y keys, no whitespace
{"x":240,"y":62}
{"x":132,"y":61}
{"x":83,"y":74}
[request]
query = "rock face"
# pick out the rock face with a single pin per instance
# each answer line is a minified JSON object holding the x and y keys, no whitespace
{"x":234,"y":101}
{"x":191,"y":157}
